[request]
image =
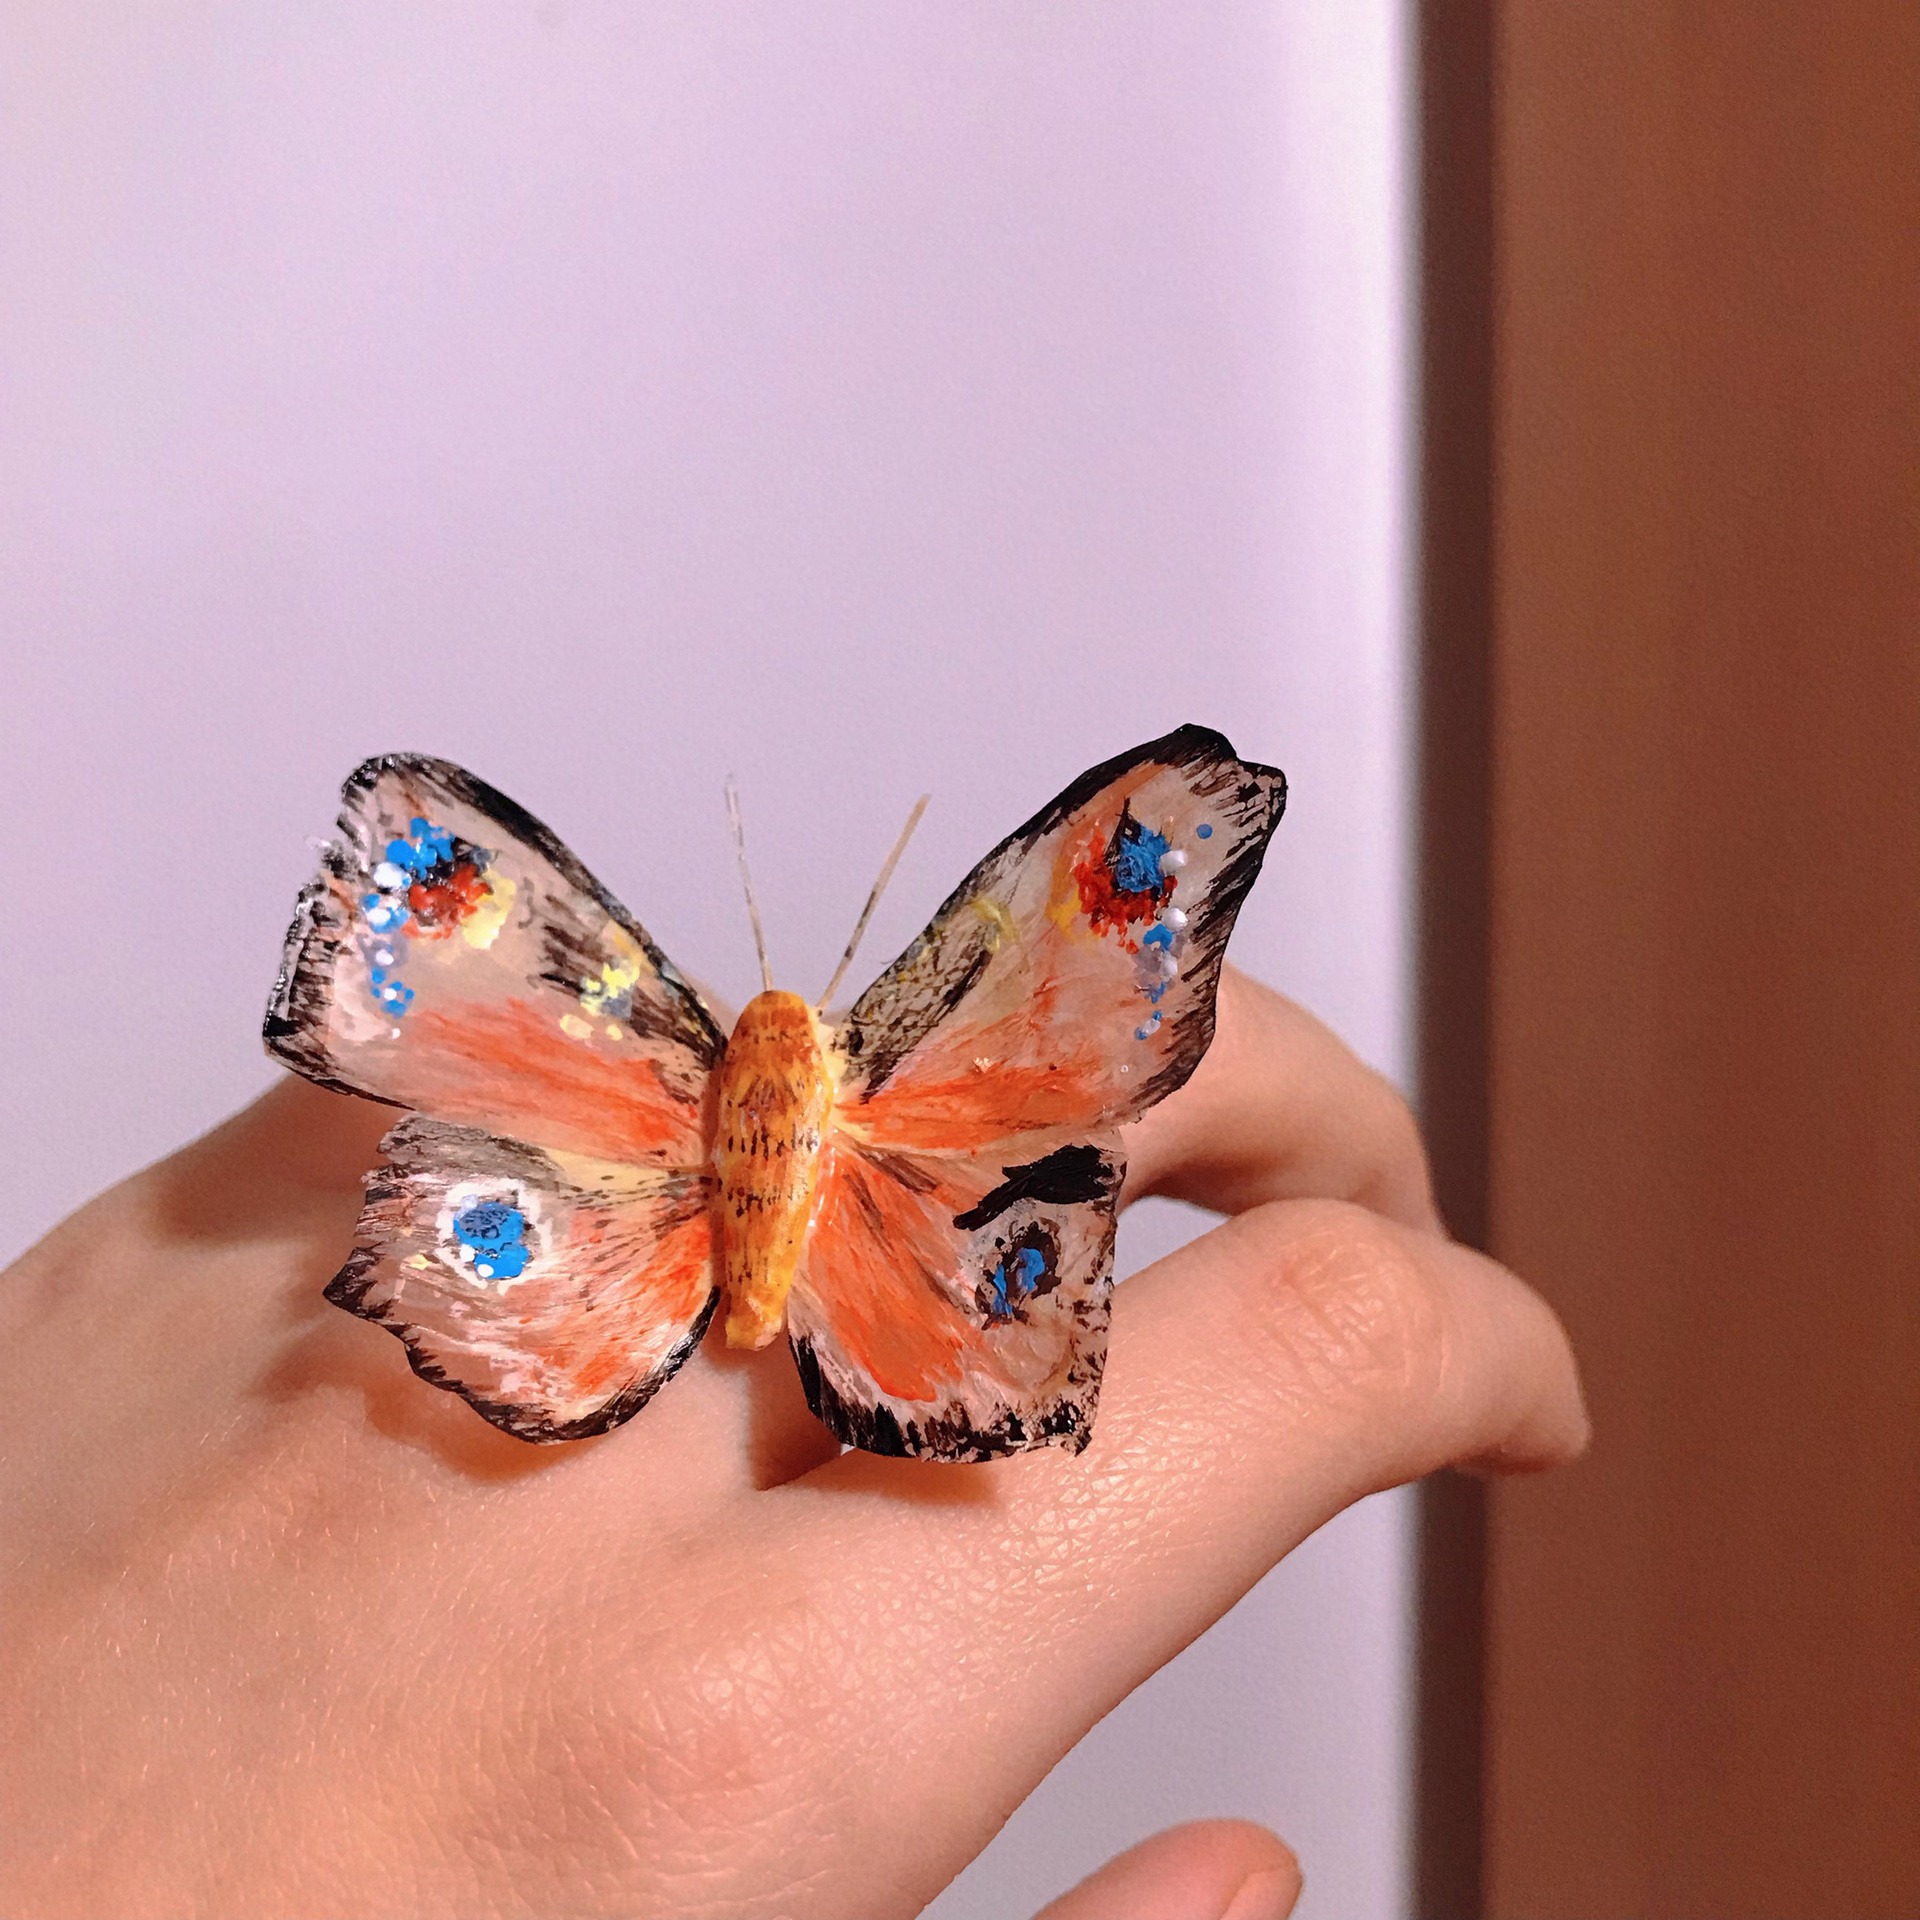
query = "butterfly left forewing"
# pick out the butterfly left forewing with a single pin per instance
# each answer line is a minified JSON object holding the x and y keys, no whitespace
{"x":556,"y":1293}
{"x":954,"y":1307}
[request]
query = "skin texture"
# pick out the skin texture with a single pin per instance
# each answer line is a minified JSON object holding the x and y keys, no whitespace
{"x":289,"y":1633}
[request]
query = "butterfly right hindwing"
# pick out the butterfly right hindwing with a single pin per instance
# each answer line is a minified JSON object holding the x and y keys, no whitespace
{"x":954,"y":1307}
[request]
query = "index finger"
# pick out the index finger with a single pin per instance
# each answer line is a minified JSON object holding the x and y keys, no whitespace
{"x":1262,"y":1378}
{"x":1268,"y":1374}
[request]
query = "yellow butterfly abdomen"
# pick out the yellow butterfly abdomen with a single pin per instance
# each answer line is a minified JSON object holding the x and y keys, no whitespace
{"x":776,"y":1092}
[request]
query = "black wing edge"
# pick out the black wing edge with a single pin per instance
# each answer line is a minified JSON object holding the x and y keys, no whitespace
{"x":1184,"y":747}
{"x":1068,"y":1423}
{"x":349,"y":1287}
{"x":296,"y":1025}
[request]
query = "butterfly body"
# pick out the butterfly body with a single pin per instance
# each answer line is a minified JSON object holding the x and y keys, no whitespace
{"x":776,"y":1087}
{"x":921,"y":1193}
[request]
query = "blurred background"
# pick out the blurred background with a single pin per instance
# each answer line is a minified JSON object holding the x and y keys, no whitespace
{"x":861,"y":398}
{"x":1502,"y":414}
{"x":1670,"y":942}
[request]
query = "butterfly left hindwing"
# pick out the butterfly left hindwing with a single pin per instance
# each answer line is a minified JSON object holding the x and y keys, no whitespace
{"x":555,"y":1293}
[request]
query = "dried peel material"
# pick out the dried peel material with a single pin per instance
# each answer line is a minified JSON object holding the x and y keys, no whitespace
{"x":925,"y":1195}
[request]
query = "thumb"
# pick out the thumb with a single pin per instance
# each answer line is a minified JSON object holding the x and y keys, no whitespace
{"x":1210,"y":1870}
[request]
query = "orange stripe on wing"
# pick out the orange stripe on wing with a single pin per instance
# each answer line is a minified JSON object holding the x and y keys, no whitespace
{"x":510,"y":1069}
{"x":968,"y":1087}
{"x":619,"y":1333}
{"x":882,"y":1254}
{"x":973,"y":1112}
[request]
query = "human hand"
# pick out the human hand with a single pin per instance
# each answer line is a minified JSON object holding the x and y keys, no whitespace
{"x":289,"y":1634}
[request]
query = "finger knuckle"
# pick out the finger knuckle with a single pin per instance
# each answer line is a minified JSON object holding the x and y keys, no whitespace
{"x":1402,"y":1179}
{"x":1406,"y":1146}
{"x":1347,"y":1309}
{"x":711,"y":1727}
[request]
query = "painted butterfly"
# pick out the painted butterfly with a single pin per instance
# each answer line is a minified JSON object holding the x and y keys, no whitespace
{"x":921,"y":1191}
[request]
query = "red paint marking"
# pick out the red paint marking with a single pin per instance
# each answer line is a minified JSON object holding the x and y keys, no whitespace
{"x":441,"y":907}
{"x":1104,"y":904}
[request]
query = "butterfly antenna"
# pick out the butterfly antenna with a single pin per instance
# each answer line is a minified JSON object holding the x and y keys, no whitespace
{"x":746,"y":881}
{"x":873,"y":899}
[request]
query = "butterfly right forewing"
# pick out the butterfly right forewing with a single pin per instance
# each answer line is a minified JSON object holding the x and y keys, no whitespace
{"x":1068,"y":982}
{"x":1065,"y":987}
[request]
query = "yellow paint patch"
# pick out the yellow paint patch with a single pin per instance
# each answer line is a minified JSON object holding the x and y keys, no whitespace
{"x":1000,"y":927}
{"x":481,"y":928}
{"x":571,"y":1023}
{"x":612,"y":990}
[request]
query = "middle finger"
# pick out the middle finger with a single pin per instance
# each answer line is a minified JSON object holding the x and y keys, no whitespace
{"x":1280,"y":1109}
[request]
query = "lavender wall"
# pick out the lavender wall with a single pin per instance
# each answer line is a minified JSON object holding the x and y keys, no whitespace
{"x":865,"y":397}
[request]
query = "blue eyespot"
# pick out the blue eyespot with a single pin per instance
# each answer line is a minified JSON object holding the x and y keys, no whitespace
{"x":1204,"y":831}
{"x":490,"y":1223}
{"x":426,"y":847}
{"x":435,"y":844}
{"x":1136,"y":863}
{"x":1015,"y":1279}
{"x":497,"y":1234}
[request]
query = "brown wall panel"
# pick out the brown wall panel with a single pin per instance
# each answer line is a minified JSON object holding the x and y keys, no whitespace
{"x":1704,"y":1643}
{"x":1456,"y":377}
